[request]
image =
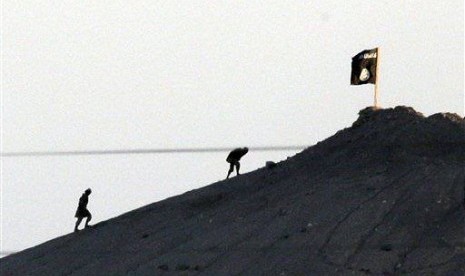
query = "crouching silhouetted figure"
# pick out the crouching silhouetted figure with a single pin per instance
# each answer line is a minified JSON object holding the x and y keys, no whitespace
{"x":233,"y":159}
{"x":82,"y":211}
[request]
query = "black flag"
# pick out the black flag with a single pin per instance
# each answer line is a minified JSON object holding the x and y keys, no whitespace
{"x":364,"y":67}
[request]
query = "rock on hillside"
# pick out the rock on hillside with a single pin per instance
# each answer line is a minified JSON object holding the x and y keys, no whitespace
{"x":385,"y":196}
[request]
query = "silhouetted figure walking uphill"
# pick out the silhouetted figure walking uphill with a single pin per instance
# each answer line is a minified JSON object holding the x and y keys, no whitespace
{"x":385,"y":196}
{"x":82,"y":211}
{"x":233,"y":159}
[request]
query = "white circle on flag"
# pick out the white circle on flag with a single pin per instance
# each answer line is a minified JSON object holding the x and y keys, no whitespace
{"x":364,"y":75}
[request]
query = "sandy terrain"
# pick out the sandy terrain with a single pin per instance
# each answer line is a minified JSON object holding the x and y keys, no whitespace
{"x":385,"y":196}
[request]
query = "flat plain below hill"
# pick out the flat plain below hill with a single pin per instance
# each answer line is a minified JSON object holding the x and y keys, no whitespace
{"x":382,"y":197}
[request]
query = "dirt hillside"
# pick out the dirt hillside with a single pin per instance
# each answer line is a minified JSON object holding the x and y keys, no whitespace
{"x":384,"y":196}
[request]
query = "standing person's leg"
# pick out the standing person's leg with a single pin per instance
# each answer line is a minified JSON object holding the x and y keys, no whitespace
{"x":231,"y":169}
{"x":89,"y":217}
{"x":238,"y":166}
{"x":77,"y":224}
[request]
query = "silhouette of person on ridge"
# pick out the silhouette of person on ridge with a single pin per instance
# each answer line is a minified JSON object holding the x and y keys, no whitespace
{"x":233,"y":159}
{"x":82,"y":211}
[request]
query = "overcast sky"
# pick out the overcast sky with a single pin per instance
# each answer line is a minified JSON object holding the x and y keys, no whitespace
{"x":112,"y":75}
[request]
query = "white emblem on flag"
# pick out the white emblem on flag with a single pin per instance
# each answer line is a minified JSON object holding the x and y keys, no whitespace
{"x":364,"y":75}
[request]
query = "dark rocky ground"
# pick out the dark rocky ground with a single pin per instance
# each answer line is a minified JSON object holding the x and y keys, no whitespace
{"x":383,"y":197}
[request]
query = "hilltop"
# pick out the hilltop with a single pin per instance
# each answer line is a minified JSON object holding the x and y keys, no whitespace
{"x":384,"y":196}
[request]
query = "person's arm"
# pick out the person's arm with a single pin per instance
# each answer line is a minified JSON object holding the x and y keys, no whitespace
{"x":82,"y":202}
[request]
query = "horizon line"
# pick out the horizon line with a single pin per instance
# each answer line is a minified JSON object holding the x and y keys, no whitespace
{"x":146,"y":151}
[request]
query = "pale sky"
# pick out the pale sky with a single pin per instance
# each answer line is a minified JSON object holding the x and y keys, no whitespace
{"x":110,"y":75}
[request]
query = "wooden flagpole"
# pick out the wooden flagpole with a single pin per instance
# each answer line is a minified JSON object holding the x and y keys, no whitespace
{"x":377,"y":77}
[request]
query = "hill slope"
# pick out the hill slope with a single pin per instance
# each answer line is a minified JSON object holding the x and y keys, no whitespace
{"x":383,"y":196}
